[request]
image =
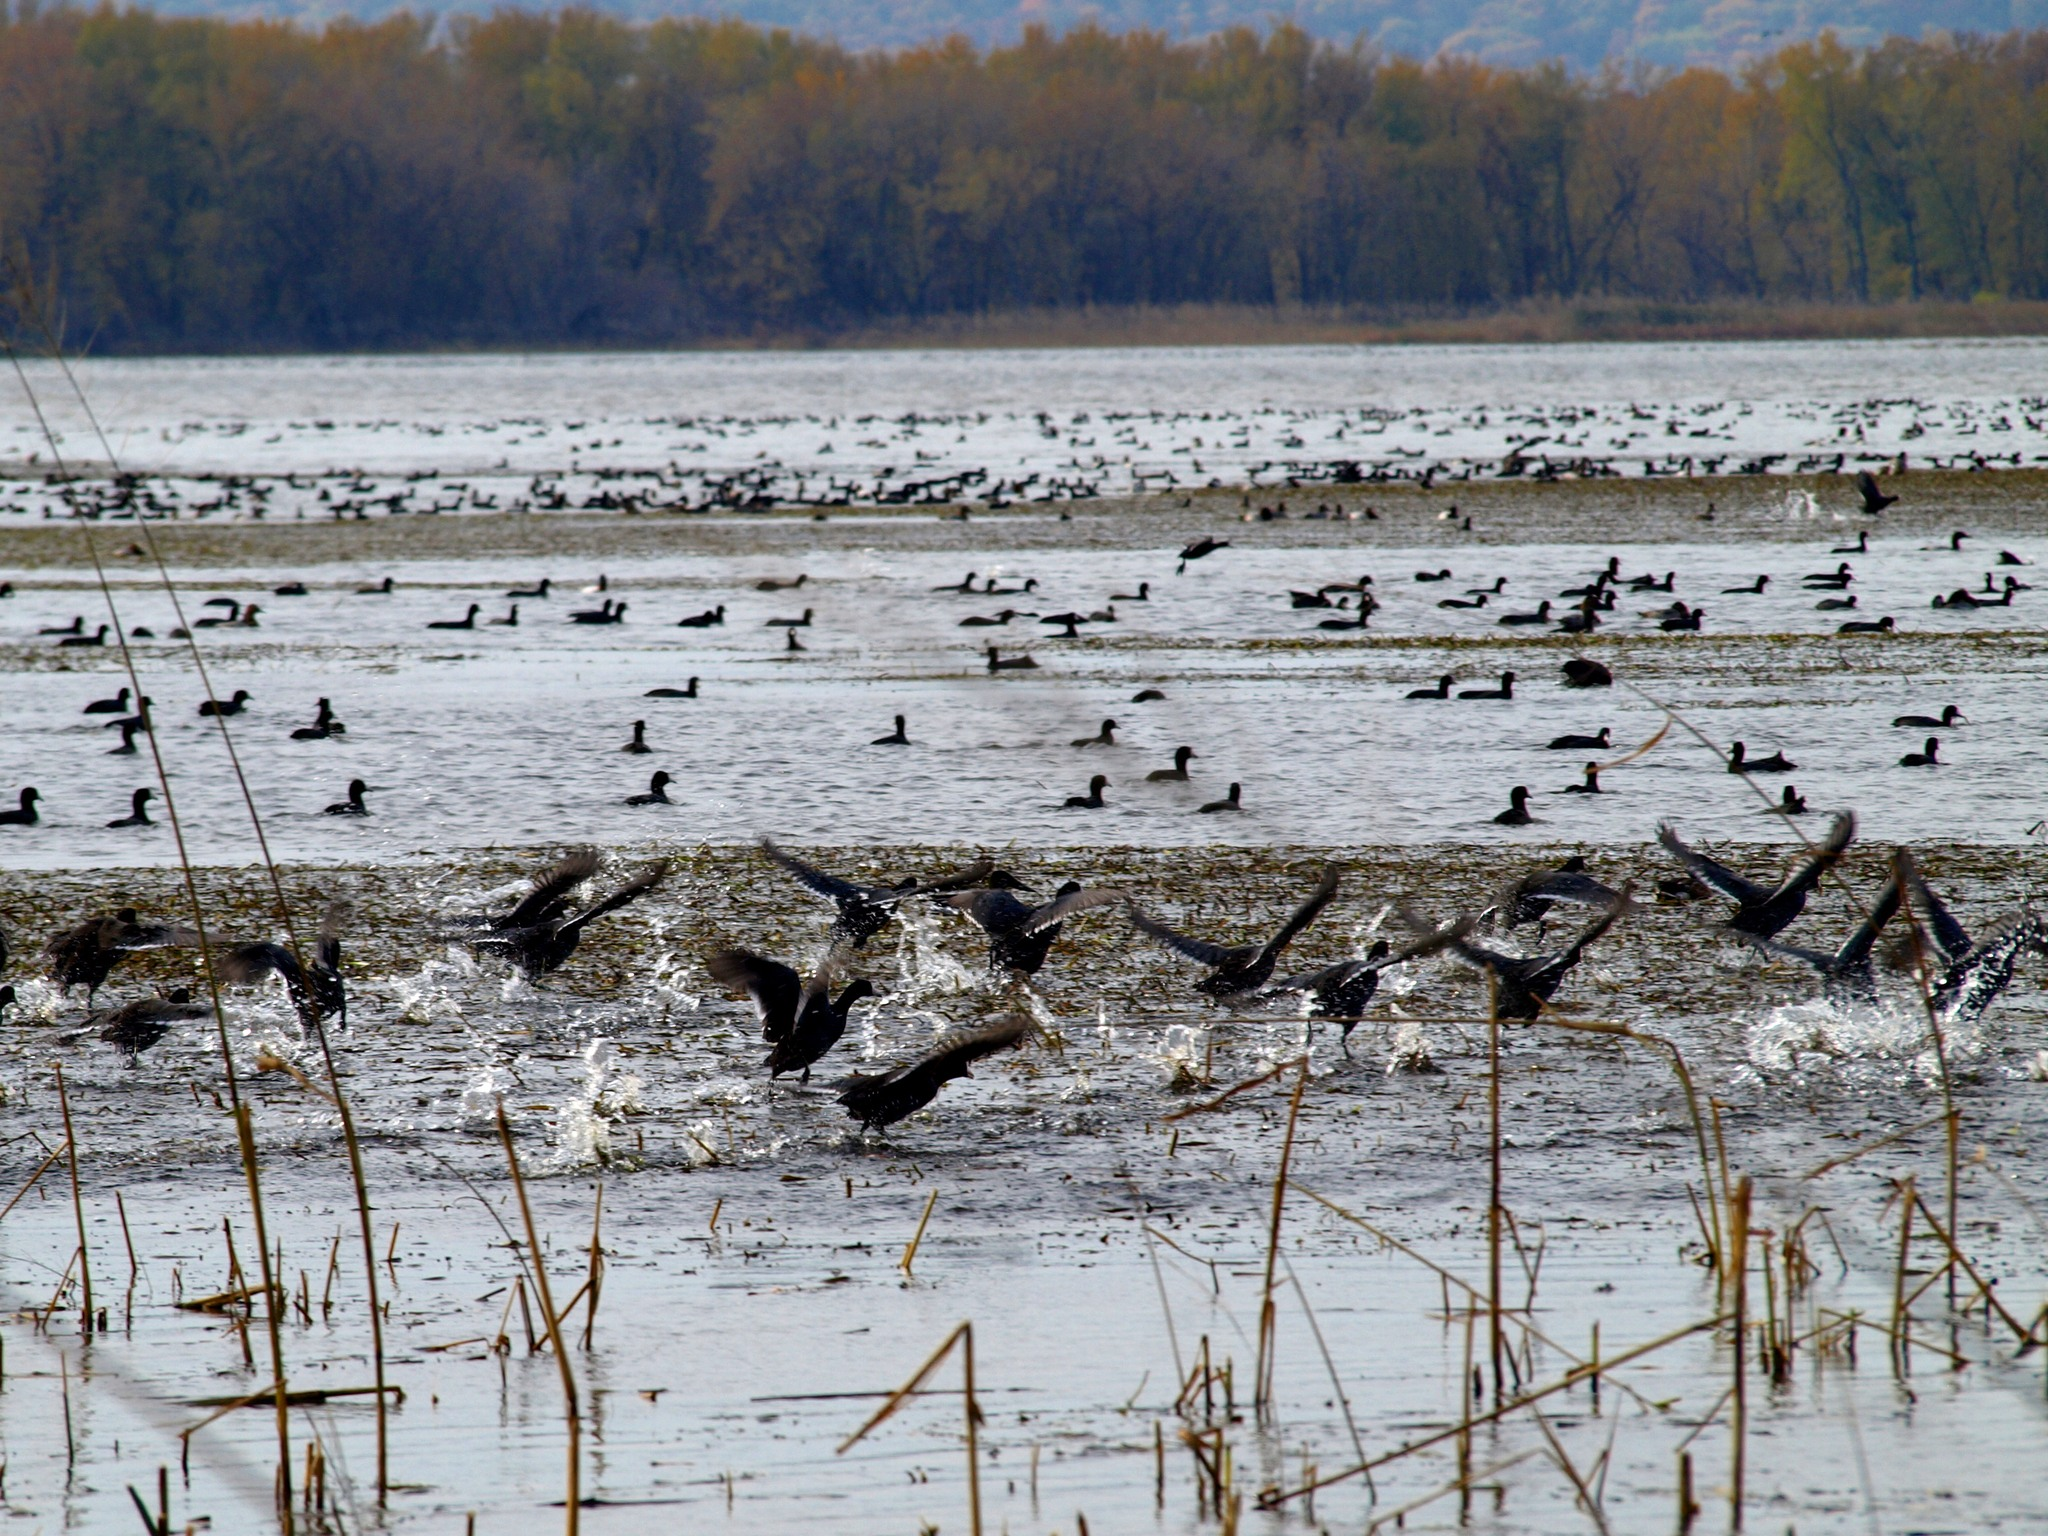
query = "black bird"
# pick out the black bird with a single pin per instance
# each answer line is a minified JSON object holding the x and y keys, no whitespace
{"x":1309,"y":600}
{"x":382,"y":589}
{"x":1762,"y":911}
{"x":1245,"y":967}
{"x":1929,"y":755}
{"x":710,"y":618}
{"x":1442,"y":575}
{"x":1846,"y":973}
{"x":538,"y":589}
{"x":1971,"y":972}
{"x":1201,"y":547}
{"x":75,"y":627}
{"x":317,"y":990}
{"x":881,"y":1099}
{"x":117,"y":705}
{"x":791,"y":643}
{"x":1840,"y":577}
{"x":800,"y":1022}
{"x":1540,"y":616}
{"x":1750,"y":591}
{"x":802,"y":623}
{"x":1020,"y":937}
{"x":1178,"y":773}
{"x":1948,"y":718}
{"x":510,"y":619}
{"x":610,"y":613}
{"x":638,"y":744}
{"x":86,"y":954}
{"x":1462,"y":602}
{"x":1686,"y":621}
{"x":1791,"y":803}
{"x":324,"y":725}
{"x":1739,"y":761}
{"x":964,"y":585}
{"x":467,"y":621}
{"x":544,"y":942}
{"x":779,"y":584}
{"x":134,"y":1027}
{"x":231,"y":706}
{"x":1874,"y":500}
{"x":1338,"y":993}
{"x":672,"y":693}
{"x":1506,"y":690}
{"x":1590,"y":785}
{"x":1860,"y":547}
{"x":1092,"y":801}
{"x":1232,"y":801}
{"x":1523,"y":984}
{"x":1883,"y":626}
{"x":353,"y":805}
{"x":999,"y":663}
{"x":1442,"y":690}
{"x":1517,"y":813}
{"x":1583,"y":743}
{"x":1147,"y":696}
{"x":1144,"y":593}
{"x":25,"y":814}
{"x":128,"y":732}
{"x":657,"y":791}
{"x":98,"y":637}
{"x":865,"y":910}
{"x":1106,"y":737}
{"x":987,"y":621}
{"x":1836,"y":604}
{"x":1531,"y":898}
{"x":1581,"y":673}
{"x":138,"y":812}
{"x":896,"y":738}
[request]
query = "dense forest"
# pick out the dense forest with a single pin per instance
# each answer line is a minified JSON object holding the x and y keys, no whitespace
{"x":206,"y":184}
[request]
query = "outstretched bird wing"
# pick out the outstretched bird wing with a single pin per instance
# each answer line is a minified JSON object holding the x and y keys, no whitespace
{"x":1807,"y":872}
{"x":1212,"y":955}
{"x":247,"y":963}
{"x":550,"y":893}
{"x":829,"y":886}
{"x":1949,"y":936}
{"x":1324,"y":893}
{"x":1060,"y":908}
{"x":625,"y":895}
{"x":1710,"y":871}
{"x":967,"y":879}
{"x":777,"y":991}
{"x":992,"y":911}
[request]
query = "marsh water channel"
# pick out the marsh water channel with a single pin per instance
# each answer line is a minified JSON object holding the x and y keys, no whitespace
{"x":1105,"y":1232}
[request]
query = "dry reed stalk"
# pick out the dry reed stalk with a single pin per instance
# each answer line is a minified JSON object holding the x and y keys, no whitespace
{"x":77,"y":1209}
{"x":1493,"y":1207}
{"x":41,"y":1168}
{"x":1232,"y":1092}
{"x":1262,"y":1373}
{"x":574,"y":1498}
{"x":1900,"y":1320}
{"x":1398,"y":1517}
{"x":273,"y":1306}
{"x":963,"y":1336}
{"x":1584,"y":1491}
{"x":1987,"y":1288}
{"x":121,"y":1208}
{"x":1738,"y":1275}
{"x":1688,"y":1506}
{"x":64,"y":1387}
{"x":910,"y":1248}
{"x":596,"y":1280}
{"x":1330,"y":1365}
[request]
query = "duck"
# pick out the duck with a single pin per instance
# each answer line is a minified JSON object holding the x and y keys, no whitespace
{"x":1106,"y":737}
{"x":1020,"y":936}
{"x":1575,"y":742}
{"x":1092,"y":801}
{"x":1790,"y":803}
{"x":1517,"y":813}
{"x":1442,"y":690}
{"x":657,"y":791}
{"x":324,"y":725}
{"x":1245,"y":967}
{"x":638,"y":744}
{"x":1506,"y":690}
{"x":2007,"y":557}
{"x":1962,"y":597}
{"x":1500,"y":585}
{"x":24,"y":814}
{"x":1840,"y":576}
{"x":134,"y":1027}
{"x":1929,"y":755}
{"x":896,"y":738}
{"x":1540,"y":616}
{"x":610,"y":613}
{"x":1442,"y":575}
{"x":99,"y":637}
{"x":1147,"y":696}
{"x":85,"y":954}
{"x":1679,"y":623}
{"x":602,"y":584}
{"x":878,"y":1100}
{"x":129,"y":730}
{"x":1754,"y":589}
{"x":672,"y":693}
{"x":75,"y":627}
{"x":1144,"y":594}
{"x":1835,"y":604}
{"x":802,"y":623}
{"x":229,"y":706}
{"x":1362,"y":621}
{"x":1590,"y":785}
{"x":1874,"y":500}
{"x":1949,"y":717}
{"x":1883,"y":626}
{"x":1739,"y":761}
{"x":965,"y":585}
{"x":1762,"y":911}
{"x":1000,"y":663}
{"x":138,"y":812}
{"x":1178,"y":773}
{"x":382,"y":589}
{"x":1200,"y":549}
{"x":1103,"y":615}
{"x":1462,"y":602}
{"x":990,"y":589}
{"x":800,"y":1022}
{"x":710,"y":618}
{"x":353,"y":805}
{"x":988,"y":621}
{"x":773,"y":584}
{"x":538,"y":589}
{"x":248,"y":618}
{"x":790,"y":642}
{"x":1647,"y":583}
{"x":1525,"y":984}
{"x":1860,"y":547}
{"x":117,"y":705}
{"x":545,"y":940}
{"x":1232,"y":800}
{"x":510,"y":620}
{"x":1338,"y":993}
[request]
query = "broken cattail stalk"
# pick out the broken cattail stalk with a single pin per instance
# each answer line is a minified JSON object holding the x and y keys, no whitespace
{"x":1262,"y":1374}
{"x":574,"y":1500}
{"x":78,"y":1211}
{"x":910,"y":1249}
{"x":1738,"y":1275}
{"x":964,"y":1337}
{"x":121,"y":1207}
{"x":41,"y":1168}
{"x":1493,"y":1209}
{"x":1908,"y":1204}
{"x":596,"y":1280}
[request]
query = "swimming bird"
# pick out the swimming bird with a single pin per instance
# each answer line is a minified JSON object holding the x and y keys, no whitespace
{"x":85,"y":954}
{"x":1929,"y":755}
{"x":1232,"y":801}
{"x":639,"y":742}
{"x":1106,"y":737}
{"x":317,"y":991}
{"x":1506,"y":690}
{"x":1365,"y":613}
{"x":1072,"y":621}
{"x":1648,"y":583}
{"x":1462,"y":602}
{"x":1841,"y":576}
{"x":1442,"y":690}
{"x":215,"y":621}
{"x":672,"y":693}
{"x":1686,"y":620}
{"x":880,"y":1099}
{"x":1874,"y":500}
{"x":802,"y":623}
{"x":382,"y":589}
{"x":75,"y":627}
{"x":1763,"y":911}
{"x":117,"y":705}
{"x":134,"y":1027}
{"x":657,"y":791}
{"x":791,"y":643}
{"x":1590,"y":785}
{"x":353,"y":805}
{"x":1791,"y":803}
{"x":772,"y":584}
{"x":1883,"y":626}
{"x":1092,"y":801}
{"x":1525,"y":984}
{"x":324,"y":725}
{"x":1517,"y":813}
{"x":229,"y":706}
{"x":986,"y":621}
{"x":610,"y":613}
{"x":964,"y":585}
{"x":999,"y":663}
{"x":800,"y":1021}
{"x":1021,"y":936}
{"x":138,"y":813}
{"x":24,"y":815}
{"x":1860,"y":547}
{"x":1540,"y":616}
{"x":1147,"y":696}
{"x":1532,"y":898}
{"x":1582,"y":673}
{"x":1200,"y":549}
{"x":1835,"y":604}
{"x":546,"y":938}
{"x":710,"y":618}
{"x":1442,"y":575}
{"x":1846,"y":972}
{"x":508,"y":620}
{"x":1178,"y":773}
{"x":1243,"y":967}
{"x":98,"y":637}
{"x":129,"y":730}
{"x":1751,"y":591}
{"x":538,"y":589}
{"x":990,"y":589}
{"x":1144,"y":593}
{"x":1948,"y":718}
{"x":1582,"y":743}
{"x":602,"y":584}
{"x":896,"y":738}
{"x":1739,"y":761}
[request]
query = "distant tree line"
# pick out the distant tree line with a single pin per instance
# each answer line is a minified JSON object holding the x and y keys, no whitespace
{"x":571,"y":178}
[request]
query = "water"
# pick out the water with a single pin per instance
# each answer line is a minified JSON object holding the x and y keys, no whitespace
{"x":752,"y":1237}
